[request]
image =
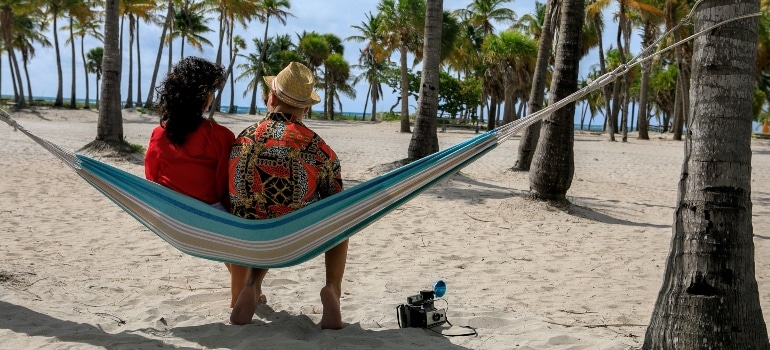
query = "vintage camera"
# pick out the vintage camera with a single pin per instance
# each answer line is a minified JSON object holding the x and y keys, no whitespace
{"x":420,"y":311}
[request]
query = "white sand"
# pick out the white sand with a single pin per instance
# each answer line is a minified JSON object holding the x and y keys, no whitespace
{"x":78,"y":272}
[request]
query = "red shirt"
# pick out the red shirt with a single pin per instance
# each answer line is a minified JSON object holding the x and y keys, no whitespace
{"x":198,"y":168}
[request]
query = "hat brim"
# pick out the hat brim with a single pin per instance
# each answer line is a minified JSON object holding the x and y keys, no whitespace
{"x":314,"y":98}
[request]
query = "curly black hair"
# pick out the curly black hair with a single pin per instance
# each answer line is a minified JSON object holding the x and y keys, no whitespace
{"x":183,"y":94}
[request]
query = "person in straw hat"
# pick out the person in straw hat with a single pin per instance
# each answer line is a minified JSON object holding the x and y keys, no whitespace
{"x":279,"y":165}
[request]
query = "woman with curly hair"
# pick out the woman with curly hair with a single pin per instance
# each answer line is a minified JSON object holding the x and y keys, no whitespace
{"x":188,"y":153}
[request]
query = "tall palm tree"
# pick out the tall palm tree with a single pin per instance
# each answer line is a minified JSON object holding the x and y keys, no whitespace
{"x":277,"y":9}
{"x":55,"y":9}
{"x":280,"y":51}
{"x":27,"y":32}
{"x":553,"y":163}
{"x":87,"y":24}
{"x":167,"y":23}
{"x":709,"y":296}
{"x":109,"y":129}
{"x":94,"y":65}
{"x":238,"y":44}
{"x":424,"y":139}
{"x":402,"y":29}
{"x":316,"y":49}
{"x":335,"y":48}
{"x":372,"y":56}
{"x":531,"y":135}
{"x":230,"y":12}
{"x":650,"y":32}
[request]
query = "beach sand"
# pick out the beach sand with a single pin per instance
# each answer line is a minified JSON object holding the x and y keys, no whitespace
{"x":78,"y":272}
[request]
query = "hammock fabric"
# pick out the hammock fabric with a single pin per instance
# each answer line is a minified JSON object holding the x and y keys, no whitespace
{"x":197,"y":229}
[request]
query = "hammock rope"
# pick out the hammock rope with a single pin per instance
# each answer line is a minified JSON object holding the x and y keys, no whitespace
{"x":197,"y":229}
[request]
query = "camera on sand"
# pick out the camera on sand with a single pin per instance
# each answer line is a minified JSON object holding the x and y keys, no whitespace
{"x":420,"y":311}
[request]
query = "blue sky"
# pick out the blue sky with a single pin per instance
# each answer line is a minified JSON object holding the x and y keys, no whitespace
{"x":335,"y":17}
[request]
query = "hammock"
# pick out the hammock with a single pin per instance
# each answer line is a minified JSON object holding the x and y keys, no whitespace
{"x":197,"y":229}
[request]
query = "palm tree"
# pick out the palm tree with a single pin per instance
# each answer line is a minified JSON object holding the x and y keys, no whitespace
{"x":167,"y":23}
{"x":424,"y":139}
{"x":531,"y":135}
{"x":335,"y":48}
{"x":270,"y":8}
{"x":94,"y":65}
{"x":337,"y":81}
{"x":190,"y":25}
{"x":78,"y":11}
{"x":280,"y":51}
{"x":401,"y":27}
{"x":27,"y":32}
{"x":90,"y":24}
{"x":372,"y":56}
{"x":553,"y":163}
{"x":238,"y":44}
{"x":9,"y":10}
{"x":316,"y":50}
{"x":231,"y":11}
{"x":109,"y":130}
{"x":511,"y":55}
{"x":650,"y":33}
{"x":54,"y":9}
{"x":481,"y":13}
{"x":709,"y":296}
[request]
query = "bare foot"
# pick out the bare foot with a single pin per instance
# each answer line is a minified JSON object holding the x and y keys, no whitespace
{"x":332,"y":318}
{"x":247,"y":303}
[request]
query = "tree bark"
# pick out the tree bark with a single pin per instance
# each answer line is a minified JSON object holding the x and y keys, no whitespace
{"x":553,"y":165}
{"x":405,"y":127}
{"x":424,"y":139}
{"x":169,"y":17}
{"x":110,"y":123}
{"x":73,"y":103}
{"x":709,"y":296}
{"x":530,"y":135}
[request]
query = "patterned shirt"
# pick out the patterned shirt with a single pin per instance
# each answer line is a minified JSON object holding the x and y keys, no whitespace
{"x":279,"y":165}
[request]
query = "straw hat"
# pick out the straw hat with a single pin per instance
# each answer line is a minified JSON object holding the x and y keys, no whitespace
{"x":294,"y":86}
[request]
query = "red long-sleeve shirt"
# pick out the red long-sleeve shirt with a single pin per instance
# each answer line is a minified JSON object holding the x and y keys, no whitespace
{"x":198,"y":169}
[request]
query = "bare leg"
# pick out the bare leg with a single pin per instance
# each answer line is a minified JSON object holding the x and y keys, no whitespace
{"x":238,"y":277}
{"x":248,"y":299}
{"x":330,"y":294}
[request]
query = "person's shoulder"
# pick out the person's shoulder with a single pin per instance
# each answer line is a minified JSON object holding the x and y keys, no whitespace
{"x":221,"y":129}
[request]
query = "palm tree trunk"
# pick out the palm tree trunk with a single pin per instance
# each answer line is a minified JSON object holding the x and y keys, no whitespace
{"x":424,"y":139}
{"x":553,"y":164}
{"x":59,"y":99}
{"x":530,"y":135}
{"x":29,"y":83}
{"x":138,"y":69}
{"x":73,"y":103}
{"x":169,"y":17}
{"x":86,"y":104}
{"x":130,"y":97}
{"x":110,"y":123}
{"x":405,"y":127}
{"x":375,"y":97}
{"x":709,"y":297}
{"x":258,"y":76}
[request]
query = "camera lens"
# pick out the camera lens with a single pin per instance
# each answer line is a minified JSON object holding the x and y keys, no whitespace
{"x":436,"y":317}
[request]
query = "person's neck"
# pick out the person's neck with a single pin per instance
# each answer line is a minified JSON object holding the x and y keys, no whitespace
{"x":297,"y":112}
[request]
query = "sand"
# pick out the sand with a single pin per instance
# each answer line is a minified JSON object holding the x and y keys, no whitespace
{"x":78,"y":272}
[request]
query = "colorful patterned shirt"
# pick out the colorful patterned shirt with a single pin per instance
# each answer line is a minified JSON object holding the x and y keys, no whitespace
{"x":279,"y":165}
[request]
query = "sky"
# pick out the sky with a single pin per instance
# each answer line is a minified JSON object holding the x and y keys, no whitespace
{"x":335,"y":17}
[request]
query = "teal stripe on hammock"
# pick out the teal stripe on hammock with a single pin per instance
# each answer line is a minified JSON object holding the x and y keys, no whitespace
{"x":202,"y":216}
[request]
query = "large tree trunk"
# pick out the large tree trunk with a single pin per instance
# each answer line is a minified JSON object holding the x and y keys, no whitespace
{"x":405,"y":127}
{"x":424,"y":139}
{"x":110,"y":123}
{"x":138,"y":69}
{"x":166,"y":25}
{"x":530,"y":135}
{"x":375,"y":97}
{"x":709,"y":297}
{"x":553,"y":165}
